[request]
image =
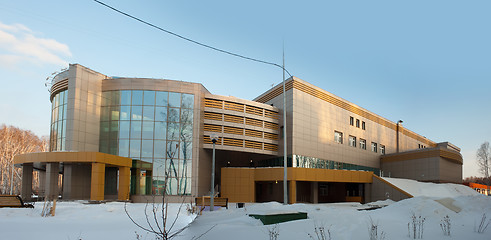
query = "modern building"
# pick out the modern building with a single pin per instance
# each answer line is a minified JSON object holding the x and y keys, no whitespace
{"x":480,"y":188}
{"x":121,"y":138}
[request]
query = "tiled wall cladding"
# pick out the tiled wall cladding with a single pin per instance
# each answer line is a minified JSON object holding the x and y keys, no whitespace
{"x":249,"y":122}
{"x":321,"y":94}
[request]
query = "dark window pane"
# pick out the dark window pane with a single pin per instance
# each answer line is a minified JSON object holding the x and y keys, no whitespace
{"x":104,"y":113}
{"x":113,"y":147}
{"x":115,"y":98}
{"x":106,"y":98}
{"x":113,"y":131}
{"x":104,"y":130}
{"x":136,"y":97}
{"x":103,"y":146}
{"x":149,"y":98}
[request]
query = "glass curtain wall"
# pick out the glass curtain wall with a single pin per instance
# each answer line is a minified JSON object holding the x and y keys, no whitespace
{"x":313,"y":162}
{"x":58,"y":122}
{"x":155,"y":127}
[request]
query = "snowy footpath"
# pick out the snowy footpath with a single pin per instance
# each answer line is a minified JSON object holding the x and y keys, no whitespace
{"x":432,"y":202}
{"x":78,"y":220}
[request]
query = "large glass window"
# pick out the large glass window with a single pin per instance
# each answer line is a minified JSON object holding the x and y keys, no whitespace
{"x":152,"y":126}
{"x":313,"y":162}
{"x":58,"y":121}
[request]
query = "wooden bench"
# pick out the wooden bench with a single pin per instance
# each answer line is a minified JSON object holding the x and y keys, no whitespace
{"x":13,"y":201}
{"x":204,"y":201}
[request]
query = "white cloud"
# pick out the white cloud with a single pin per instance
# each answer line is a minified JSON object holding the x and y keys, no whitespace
{"x":19,"y":45}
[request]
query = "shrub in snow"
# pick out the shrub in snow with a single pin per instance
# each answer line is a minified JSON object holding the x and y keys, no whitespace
{"x":320,"y":233}
{"x":274,"y":232}
{"x":482,"y":225}
{"x":415,"y":228}
{"x":445,"y":225}
{"x":373,"y":231}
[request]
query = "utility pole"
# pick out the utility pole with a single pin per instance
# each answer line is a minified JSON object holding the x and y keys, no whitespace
{"x":285,"y":158}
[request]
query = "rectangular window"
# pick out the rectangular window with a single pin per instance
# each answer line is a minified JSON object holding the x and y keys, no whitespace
{"x":351,"y":121}
{"x":363,"y":125}
{"x":382,"y":149}
{"x":363,"y":144}
{"x":323,"y":189}
{"x":352,"y":141}
{"x":374,"y":147}
{"x":357,"y":123}
{"x":338,"y":137}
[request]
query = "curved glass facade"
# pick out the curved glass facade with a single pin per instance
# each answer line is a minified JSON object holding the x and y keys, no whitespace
{"x":58,"y":122}
{"x":152,"y":126}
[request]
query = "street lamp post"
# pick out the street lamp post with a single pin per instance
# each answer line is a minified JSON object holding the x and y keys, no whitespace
{"x":214,"y":138}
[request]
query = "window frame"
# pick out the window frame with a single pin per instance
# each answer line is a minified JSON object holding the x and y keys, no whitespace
{"x":338,"y":137}
{"x":374,"y":147}
{"x":352,"y":141}
{"x":364,"y":145}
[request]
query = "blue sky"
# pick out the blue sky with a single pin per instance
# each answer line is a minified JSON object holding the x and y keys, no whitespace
{"x":425,"y":62}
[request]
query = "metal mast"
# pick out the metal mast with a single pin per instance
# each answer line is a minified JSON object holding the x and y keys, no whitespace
{"x":285,"y":158}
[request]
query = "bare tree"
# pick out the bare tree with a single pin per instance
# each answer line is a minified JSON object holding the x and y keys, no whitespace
{"x":157,"y":220}
{"x":14,"y":141}
{"x":484,"y":160}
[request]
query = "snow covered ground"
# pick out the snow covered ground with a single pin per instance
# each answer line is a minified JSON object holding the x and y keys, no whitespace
{"x":416,"y":188}
{"x":79,"y":220}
